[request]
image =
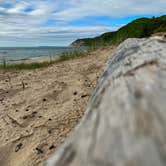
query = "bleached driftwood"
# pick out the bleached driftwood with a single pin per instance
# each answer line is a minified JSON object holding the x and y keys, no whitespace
{"x":125,"y":123}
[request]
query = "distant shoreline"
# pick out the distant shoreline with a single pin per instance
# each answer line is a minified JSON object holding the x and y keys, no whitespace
{"x":17,"y":54}
{"x":32,"y":60}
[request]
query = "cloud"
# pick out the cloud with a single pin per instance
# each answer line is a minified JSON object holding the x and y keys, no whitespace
{"x":48,"y":20}
{"x":112,"y":8}
{"x":54,"y":34}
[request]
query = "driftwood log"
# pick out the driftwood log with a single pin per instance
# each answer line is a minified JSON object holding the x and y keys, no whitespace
{"x":125,"y":123}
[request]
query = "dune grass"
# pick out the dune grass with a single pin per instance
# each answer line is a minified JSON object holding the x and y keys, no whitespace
{"x":72,"y":55}
{"x":35,"y":65}
{"x":25,"y":66}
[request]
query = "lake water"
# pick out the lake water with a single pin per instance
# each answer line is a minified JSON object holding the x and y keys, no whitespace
{"x":24,"y":53}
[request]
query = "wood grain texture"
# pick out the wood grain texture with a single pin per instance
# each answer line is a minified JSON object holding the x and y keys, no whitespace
{"x":125,"y":122}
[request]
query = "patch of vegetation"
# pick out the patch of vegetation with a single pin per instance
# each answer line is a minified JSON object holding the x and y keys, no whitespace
{"x":25,"y":66}
{"x":140,"y":28}
{"x":35,"y":65}
{"x":72,"y":55}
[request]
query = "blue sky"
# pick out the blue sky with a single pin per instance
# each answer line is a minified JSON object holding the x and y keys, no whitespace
{"x":58,"y":23}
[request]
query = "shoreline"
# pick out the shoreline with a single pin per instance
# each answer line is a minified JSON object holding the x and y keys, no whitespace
{"x":45,"y":57}
{"x":47,"y":60}
{"x":41,"y":62}
{"x":32,"y":60}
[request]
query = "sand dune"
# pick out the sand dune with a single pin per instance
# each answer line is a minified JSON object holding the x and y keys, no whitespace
{"x":39,"y":108}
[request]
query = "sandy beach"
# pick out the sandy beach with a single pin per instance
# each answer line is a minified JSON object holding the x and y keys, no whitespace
{"x":39,"y":108}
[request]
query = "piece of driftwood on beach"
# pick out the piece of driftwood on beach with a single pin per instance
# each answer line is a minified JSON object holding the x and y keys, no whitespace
{"x":125,"y":122}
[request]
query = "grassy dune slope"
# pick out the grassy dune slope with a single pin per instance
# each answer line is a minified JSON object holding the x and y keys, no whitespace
{"x":143,"y":27}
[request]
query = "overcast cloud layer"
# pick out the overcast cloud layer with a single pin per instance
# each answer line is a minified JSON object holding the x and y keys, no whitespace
{"x":59,"y":22}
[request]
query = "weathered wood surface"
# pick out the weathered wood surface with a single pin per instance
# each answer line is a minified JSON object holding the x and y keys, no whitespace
{"x":125,"y":123}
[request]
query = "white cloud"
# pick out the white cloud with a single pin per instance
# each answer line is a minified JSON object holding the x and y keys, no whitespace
{"x":112,"y":8}
{"x":16,"y":9}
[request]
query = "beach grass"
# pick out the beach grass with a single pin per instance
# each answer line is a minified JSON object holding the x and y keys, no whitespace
{"x":35,"y":65}
{"x":71,"y":55}
{"x":25,"y":66}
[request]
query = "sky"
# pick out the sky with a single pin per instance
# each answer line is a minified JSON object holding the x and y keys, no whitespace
{"x":59,"y":22}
